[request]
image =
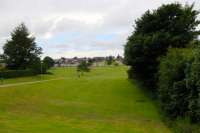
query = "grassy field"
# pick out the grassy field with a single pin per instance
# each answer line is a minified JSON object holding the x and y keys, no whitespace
{"x":102,"y":101}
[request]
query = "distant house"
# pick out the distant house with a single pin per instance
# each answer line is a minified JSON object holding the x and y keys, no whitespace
{"x":64,"y":62}
{"x":97,"y":61}
{"x":119,"y":59}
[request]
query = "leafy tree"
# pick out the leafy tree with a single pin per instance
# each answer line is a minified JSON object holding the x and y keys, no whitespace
{"x":83,"y":67}
{"x":179,"y":83}
{"x":90,"y":62}
{"x":171,"y":25}
{"x":48,"y":61}
{"x":193,"y":84}
{"x":38,"y":66}
{"x":172,"y":90}
{"x":109,"y":60}
{"x":21,"y":50}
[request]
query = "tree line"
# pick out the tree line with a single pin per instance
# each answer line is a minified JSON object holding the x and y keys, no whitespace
{"x":163,"y":53}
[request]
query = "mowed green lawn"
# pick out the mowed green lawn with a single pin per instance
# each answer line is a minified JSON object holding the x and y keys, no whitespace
{"x":102,"y":101}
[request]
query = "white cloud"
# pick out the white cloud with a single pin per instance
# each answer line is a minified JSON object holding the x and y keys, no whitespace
{"x":94,"y":53}
{"x":70,"y":28}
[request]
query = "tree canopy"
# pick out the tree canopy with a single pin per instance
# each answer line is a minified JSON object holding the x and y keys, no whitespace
{"x":21,"y":50}
{"x":83,"y":66}
{"x":48,"y":61}
{"x":171,"y":25}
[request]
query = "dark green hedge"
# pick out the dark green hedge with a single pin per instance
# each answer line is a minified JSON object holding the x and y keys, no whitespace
{"x":178,"y":86}
{"x":16,"y":73}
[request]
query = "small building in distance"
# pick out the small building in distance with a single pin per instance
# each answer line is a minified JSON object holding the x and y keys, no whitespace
{"x":96,"y":61}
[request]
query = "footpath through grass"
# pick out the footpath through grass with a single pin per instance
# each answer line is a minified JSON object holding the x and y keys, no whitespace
{"x":102,"y":101}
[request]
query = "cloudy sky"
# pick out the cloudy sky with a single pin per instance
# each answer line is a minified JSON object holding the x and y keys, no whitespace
{"x":83,"y":28}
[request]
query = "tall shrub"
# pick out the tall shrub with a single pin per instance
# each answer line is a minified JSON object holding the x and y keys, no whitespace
{"x":171,"y":25}
{"x":193,"y":84}
{"x":172,"y":90}
{"x":179,"y":83}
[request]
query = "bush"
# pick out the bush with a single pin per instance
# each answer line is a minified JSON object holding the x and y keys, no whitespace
{"x":48,"y":61}
{"x":179,"y":84}
{"x":184,"y":126}
{"x":171,"y":25}
{"x":110,"y":60}
{"x":83,"y":67}
{"x":142,"y":53}
{"x":39,"y":67}
{"x":16,"y":73}
{"x":193,"y":78}
{"x":172,"y":89}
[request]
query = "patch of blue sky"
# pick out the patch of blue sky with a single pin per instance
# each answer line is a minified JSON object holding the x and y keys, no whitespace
{"x":57,"y":39}
{"x":105,"y":37}
{"x":63,"y":37}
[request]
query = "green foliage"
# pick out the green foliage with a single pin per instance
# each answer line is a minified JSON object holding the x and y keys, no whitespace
{"x":48,"y":61}
{"x":16,"y":73}
{"x":90,"y":62}
{"x":142,"y":52}
{"x":171,"y":25}
{"x":21,"y":49}
{"x":193,"y":78}
{"x":83,"y":67}
{"x":109,"y":60}
{"x":39,"y":67}
{"x":184,"y":126}
{"x":179,"y":84}
{"x":172,"y":91}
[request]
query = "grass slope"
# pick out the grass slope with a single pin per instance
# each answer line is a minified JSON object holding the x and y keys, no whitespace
{"x":102,"y":101}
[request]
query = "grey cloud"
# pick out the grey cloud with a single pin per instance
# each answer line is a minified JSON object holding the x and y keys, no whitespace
{"x":46,"y":18}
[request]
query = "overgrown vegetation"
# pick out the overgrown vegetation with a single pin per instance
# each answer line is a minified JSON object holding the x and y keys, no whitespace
{"x":172,"y":91}
{"x":110,"y":60}
{"x":162,"y":53}
{"x":48,"y":61}
{"x":84,"y":66}
{"x":171,"y":25}
{"x":16,"y":73}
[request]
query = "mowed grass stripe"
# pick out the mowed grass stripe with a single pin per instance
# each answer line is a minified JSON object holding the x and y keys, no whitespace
{"x":27,"y":83}
{"x":102,"y":101}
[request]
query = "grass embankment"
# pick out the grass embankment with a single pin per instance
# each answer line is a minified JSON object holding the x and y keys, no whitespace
{"x":102,"y":101}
